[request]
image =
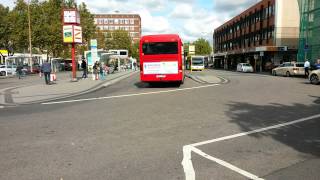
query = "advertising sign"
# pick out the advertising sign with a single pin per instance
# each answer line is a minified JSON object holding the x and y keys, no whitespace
{"x":67,"y":34}
{"x":72,"y":34}
{"x":71,"y":16}
{"x":192,"y":50}
{"x":94,"y":52}
{"x":160,"y":68}
{"x":77,"y":30}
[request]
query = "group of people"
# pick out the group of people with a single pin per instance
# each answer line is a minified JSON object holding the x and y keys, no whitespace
{"x":99,"y":70}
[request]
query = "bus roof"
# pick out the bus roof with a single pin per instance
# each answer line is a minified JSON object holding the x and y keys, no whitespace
{"x":161,"y":38}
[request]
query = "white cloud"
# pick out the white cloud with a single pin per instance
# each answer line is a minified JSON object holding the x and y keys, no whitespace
{"x":183,"y":11}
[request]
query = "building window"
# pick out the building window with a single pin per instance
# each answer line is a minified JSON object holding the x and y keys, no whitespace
{"x":105,"y":21}
{"x":116,"y":21}
{"x":131,"y":28}
{"x":116,"y":27}
{"x":111,"y":21}
{"x":100,"y":21}
{"x":126,"y":21}
{"x":131,"y":21}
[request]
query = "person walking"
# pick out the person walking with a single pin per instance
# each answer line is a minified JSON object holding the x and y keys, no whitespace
{"x":84,"y":69}
{"x":19,"y":70}
{"x":306,"y":68}
{"x":46,"y":70}
{"x":96,"y":70}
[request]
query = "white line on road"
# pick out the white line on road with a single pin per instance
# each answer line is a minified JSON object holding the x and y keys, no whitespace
{"x":130,"y":95}
{"x":187,"y":162}
{"x":256,"y":131}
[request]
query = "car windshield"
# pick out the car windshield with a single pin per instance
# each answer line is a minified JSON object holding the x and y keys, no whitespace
{"x":299,"y":65}
{"x":246,"y":65}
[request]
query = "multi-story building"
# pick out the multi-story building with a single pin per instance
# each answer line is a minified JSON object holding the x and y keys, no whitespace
{"x":127,"y":22}
{"x":267,"y":33}
{"x":309,"y":43}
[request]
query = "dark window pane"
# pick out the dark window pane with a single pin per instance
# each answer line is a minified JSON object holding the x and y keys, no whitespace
{"x":160,"y":48}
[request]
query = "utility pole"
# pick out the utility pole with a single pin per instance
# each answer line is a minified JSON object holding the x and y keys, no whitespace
{"x":30,"y":44}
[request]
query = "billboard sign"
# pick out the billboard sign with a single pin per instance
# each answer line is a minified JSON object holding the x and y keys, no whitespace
{"x":71,"y":16}
{"x":72,"y":34}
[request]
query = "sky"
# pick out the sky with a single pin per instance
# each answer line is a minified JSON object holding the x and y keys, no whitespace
{"x":191,"y":19}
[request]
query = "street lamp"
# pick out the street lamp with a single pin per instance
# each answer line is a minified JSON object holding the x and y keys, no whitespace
{"x":30,"y":44}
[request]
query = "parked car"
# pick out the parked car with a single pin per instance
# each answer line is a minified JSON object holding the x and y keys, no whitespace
{"x":314,"y":76}
{"x":35,"y":69}
{"x":10,"y":69}
{"x":244,"y":67}
{"x":289,"y":69}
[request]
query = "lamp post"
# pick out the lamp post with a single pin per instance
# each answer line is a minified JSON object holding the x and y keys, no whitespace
{"x":30,"y":44}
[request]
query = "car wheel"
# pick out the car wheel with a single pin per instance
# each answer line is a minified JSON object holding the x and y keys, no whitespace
{"x":2,"y":73}
{"x":314,"y":79}
{"x":288,"y":74}
{"x":274,"y":73}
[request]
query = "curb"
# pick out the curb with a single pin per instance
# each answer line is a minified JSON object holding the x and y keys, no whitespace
{"x":92,"y":89}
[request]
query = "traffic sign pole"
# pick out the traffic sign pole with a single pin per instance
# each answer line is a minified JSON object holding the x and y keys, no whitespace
{"x":74,"y":68}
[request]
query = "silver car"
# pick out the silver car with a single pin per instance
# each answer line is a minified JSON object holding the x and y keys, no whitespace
{"x":314,"y":76}
{"x":289,"y":69}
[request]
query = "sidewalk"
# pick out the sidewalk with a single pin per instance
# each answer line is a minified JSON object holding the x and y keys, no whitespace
{"x":62,"y":88}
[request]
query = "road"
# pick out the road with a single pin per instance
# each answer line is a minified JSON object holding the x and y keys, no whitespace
{"x":133,"y":131}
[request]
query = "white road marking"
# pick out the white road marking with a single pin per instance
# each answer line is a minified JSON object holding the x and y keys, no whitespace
{"x":130,"y":95}
{"x":256,"y":131}
{"x":226,"y":164}
{"x":187,"y":149}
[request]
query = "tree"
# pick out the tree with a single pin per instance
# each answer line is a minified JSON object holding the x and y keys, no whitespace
{"x":202,"y":47}
{"x":101,"y":39}
{"x":19,"y":32}
{"x":135,"y":51}
{"x":119,"y":39}
{"x":88,"y":28}
{"x":4,"y":27}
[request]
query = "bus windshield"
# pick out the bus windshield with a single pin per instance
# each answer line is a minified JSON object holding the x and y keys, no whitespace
{"x":154,"y":48}
{"x":197,"y":61}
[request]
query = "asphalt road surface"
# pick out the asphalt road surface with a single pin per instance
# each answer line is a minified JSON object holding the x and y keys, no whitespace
{"x":134,"y":131}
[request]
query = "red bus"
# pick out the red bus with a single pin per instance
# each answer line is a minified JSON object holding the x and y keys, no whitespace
{"x":161,"y":58}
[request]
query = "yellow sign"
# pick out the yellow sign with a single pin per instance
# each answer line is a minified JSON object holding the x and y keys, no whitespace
{"x":4,"y":52}
{"x":68,"y":34}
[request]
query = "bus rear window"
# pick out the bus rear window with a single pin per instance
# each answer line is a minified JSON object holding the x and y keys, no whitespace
{"x":155,"y":48}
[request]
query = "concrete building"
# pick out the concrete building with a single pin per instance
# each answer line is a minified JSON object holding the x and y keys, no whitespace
{"x":265,"y":34}
{"x":127,"y":22}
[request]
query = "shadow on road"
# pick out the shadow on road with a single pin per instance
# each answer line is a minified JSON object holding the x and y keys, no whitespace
{"x":157,"y":85}
{"x":303,"y":137}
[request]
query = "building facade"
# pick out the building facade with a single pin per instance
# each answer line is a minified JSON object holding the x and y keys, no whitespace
{"x":127,"y":22}
{"x":264,"y":35}
{"x":309,"y":42}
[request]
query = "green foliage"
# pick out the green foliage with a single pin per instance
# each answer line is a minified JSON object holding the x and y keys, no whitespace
{"x":46,"y":26}
{"x":135,"y":51}
{"x":118,"y":39}
{"x":4,"y":26}
{"x":202,"y":47}
{"x":19,"y":32}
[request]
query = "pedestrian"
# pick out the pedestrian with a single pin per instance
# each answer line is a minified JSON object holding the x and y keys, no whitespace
{"x":306,"y":68}
{"x":135,"y":66}
{"x":19,"y":70}
{"x":317,"y":64}
{"x":84,"y":69}
{"x":96,"y":70}
{"x":101,"y":69}
{"x":46,"y":70}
